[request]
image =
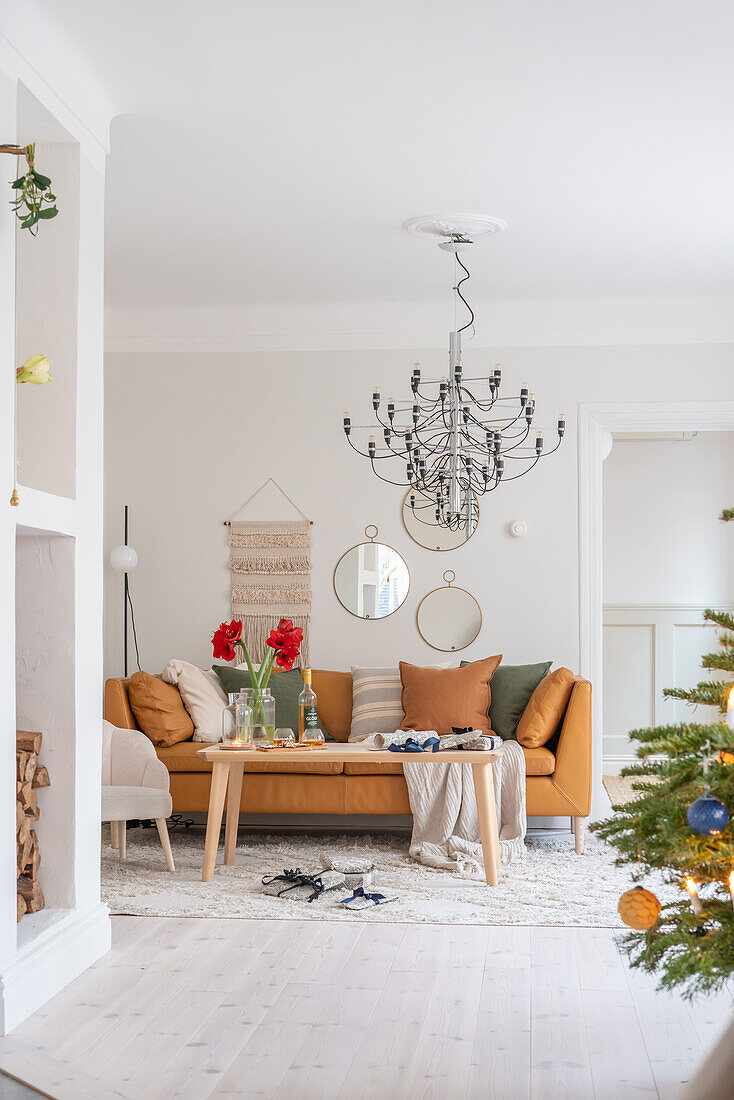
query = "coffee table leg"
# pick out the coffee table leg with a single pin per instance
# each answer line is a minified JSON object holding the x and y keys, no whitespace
{"x":234,"y":790}
{"x":214,"y":817}
{"x":487,"y":811}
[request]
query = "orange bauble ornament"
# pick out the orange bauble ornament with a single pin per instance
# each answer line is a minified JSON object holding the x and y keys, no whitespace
{"x":639,"y":909}
{"x":726,"y":756}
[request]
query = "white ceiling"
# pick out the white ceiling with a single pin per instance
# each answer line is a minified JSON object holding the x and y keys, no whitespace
{"x":268,"y":151}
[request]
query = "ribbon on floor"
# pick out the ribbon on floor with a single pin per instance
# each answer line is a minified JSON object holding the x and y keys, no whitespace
{"x":360,"y":893}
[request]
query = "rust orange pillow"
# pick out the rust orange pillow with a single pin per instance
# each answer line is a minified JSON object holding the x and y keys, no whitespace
{"x":159,"y":710}
{"x":440,"y":698}
{"x":546,"y":708}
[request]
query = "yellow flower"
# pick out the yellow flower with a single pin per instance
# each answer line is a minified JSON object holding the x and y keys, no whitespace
{"x":36,"y":369}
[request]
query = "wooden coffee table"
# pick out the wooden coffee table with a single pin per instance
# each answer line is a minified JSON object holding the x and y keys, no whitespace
{"x":228,"y":769}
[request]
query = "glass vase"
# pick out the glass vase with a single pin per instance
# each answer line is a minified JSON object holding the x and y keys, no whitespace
{"x":237,"y":722}
{"x":262,"y":704}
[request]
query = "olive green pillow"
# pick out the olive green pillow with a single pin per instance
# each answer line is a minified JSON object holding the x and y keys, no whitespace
{"x":512,"y":688}
{"x":284,"y":686}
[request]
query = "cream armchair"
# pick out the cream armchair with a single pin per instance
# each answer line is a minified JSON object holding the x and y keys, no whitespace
{"x":135,"y":784}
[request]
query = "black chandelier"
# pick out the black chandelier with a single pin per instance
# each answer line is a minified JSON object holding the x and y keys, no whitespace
{"x":455,"y":445}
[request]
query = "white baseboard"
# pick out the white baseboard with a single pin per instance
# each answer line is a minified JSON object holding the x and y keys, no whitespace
{"x":613,"y":764}
{"x":46,"y":964}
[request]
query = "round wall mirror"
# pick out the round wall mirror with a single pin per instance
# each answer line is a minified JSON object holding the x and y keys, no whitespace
{"x":449,"y":618}
{"x":371,"y":580}
{"x":433,"y":530}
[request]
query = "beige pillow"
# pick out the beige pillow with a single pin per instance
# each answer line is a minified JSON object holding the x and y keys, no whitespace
{"x":542,"y":716}
{"x":203,"y":696}
{"x":159,"y":710}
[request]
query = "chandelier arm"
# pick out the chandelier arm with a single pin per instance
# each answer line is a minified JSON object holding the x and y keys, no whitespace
{"x":515,"y":477}
{"x":401,"y":484}
{"x":484,"y":405}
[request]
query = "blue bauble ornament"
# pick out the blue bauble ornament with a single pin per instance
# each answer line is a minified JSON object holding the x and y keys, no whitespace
{"x":707,"y":816}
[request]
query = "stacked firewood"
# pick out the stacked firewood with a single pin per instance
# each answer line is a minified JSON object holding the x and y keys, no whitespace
{"x":29,"y":776}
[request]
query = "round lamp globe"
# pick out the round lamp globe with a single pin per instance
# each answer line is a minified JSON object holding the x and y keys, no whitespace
{"x":123,"y":559}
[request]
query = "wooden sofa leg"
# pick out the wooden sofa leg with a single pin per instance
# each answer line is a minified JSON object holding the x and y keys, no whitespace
{"x":114,"y":841}
{"x":122,"y":838}
{"x":579,"y":832}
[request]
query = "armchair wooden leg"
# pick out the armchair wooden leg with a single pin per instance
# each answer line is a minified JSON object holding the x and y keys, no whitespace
{"x":166,"y":842}
{"x":579,"y":832}
{"x":122,"y":838}
{"x":114,"y":841}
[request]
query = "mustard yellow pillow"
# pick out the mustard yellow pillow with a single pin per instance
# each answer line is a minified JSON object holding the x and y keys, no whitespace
{"x":546,"y":708}
{"x":440,"y":698}
{"x":159,"y":710}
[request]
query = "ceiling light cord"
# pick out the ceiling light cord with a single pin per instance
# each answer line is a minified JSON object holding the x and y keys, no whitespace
{"x":457,"y":288}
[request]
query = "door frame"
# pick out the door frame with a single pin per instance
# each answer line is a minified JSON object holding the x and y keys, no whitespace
{"x":594,"y":420}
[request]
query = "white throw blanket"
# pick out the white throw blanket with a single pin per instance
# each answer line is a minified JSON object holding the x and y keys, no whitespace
{"x":445,"y":819}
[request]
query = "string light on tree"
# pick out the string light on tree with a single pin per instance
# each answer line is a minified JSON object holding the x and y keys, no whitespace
{"x":693,"y":891}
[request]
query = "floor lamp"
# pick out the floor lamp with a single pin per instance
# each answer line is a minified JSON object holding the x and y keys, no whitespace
{"x":124,"y":559}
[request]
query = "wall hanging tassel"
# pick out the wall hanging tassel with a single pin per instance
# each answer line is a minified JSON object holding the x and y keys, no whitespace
{"x":270,"y":570}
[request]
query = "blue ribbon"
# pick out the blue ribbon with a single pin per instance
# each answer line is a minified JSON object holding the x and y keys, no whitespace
{"x":360,"y":893}
{"x":411,"y":745}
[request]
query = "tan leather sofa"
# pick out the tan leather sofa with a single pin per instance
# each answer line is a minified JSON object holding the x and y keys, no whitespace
{"x":558,"y":776}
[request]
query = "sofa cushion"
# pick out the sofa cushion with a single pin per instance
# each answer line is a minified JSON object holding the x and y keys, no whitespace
{"x":539,"y":761}
{"x":373,"y":769}
{"x":185,"y":758}
{"x":377,"y":705}
{"x":334,"y":696}
{"x":203,"y":697}
{"x":512,"y":688}
{"x":159,"y":710}
{"x":546,"y":709}
{"x":285,"y":687}
{"x":439,"y":699}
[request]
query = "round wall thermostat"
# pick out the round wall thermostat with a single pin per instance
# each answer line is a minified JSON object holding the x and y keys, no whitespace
{"x":518,"y":528}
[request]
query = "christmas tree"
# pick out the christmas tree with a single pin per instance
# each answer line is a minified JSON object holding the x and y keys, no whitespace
{"x":678,"y":824}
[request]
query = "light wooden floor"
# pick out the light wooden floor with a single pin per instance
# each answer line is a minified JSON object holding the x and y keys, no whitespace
{"x":310,"y":1011}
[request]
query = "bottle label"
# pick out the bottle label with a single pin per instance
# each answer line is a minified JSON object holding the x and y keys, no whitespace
{"x":310,"y":718}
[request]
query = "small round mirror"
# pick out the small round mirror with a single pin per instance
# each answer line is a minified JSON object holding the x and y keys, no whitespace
{"x":434,"y":527}
{"x":449,"y":618}
{"x":371,"y":580}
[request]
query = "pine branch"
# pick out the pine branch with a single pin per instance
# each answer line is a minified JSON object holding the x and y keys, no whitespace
{"x":722,"y":618}
{"x":707,"y":693}
{"x":723,"y":661}
{"x":727,"y":514}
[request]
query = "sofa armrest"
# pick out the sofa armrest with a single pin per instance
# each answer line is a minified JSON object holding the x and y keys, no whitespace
{"x":117,"y":705}
{"x":572,"y":775}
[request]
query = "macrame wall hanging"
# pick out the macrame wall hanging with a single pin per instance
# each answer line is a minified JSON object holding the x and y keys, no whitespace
{"x":270,"y":568}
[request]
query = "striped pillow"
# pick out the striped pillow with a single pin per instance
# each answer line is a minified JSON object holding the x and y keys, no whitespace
{"x":377,"y":695}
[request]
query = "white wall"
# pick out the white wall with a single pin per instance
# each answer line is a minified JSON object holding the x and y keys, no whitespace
{"x":663,"y":541}
{"x":190,"y":436}
{"x":53,"y":591}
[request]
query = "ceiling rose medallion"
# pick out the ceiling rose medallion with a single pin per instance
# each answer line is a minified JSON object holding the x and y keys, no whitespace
{"x":458,"y":437}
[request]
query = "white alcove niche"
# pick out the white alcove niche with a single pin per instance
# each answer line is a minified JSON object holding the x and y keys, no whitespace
{"x":44,"y":697}
{"x":46,"y":309}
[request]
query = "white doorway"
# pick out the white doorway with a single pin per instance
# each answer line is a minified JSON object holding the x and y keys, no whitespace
{"x":595,"y":423}
{"x":666,"y":558}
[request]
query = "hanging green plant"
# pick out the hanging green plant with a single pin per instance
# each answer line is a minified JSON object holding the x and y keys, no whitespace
{"x":34,"y":201}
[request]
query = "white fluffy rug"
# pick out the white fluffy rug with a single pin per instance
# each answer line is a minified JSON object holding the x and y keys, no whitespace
{"x":551,"y":886}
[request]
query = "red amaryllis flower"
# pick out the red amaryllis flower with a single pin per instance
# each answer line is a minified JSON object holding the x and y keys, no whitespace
{"x":232,"y":630}
{"x":223,"y":640}
{"x":286,"y":658}
{"x":286,"y":641}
